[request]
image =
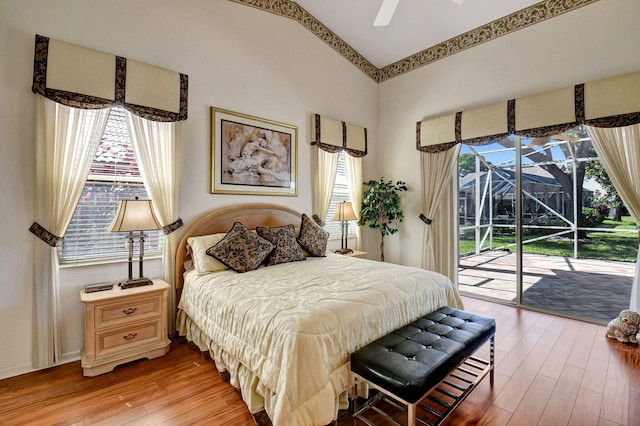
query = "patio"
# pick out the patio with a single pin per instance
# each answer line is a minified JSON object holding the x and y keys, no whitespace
{"x":593,"y":290}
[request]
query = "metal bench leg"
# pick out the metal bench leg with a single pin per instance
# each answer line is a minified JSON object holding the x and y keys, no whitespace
{"x":354,"y":401}
{"x":491,"y":357}
{"x":411,"y":414}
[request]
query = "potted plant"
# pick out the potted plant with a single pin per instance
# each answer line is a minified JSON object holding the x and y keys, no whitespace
{"x":381,"y":207}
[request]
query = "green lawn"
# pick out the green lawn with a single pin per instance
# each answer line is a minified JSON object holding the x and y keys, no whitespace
{"x":626,"y":223}
{"x":606,"y":245}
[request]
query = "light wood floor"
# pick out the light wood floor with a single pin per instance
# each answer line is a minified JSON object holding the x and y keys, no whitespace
{"x":549,"y":371}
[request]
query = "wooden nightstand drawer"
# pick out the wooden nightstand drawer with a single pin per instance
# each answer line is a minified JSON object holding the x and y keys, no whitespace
{"x":113,"y":341}
{"x":114,"y":314}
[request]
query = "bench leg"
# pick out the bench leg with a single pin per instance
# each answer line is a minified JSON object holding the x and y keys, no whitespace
{"x":354,"y":400}
{"x":411,"y":414}
{"x":491,"y":358}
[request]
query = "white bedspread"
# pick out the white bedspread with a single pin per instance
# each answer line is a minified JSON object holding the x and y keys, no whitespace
{"x":294,"y":325}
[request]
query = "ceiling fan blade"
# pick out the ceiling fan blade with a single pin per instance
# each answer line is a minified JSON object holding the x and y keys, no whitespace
{"x":385,"y":13}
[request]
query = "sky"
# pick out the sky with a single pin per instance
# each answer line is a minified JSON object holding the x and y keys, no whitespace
{"x":497,"y":154}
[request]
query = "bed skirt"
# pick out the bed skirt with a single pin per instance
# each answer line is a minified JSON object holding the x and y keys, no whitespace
{"x":254,"y":393}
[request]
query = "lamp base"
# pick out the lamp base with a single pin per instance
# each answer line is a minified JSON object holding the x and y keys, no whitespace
{"x":134,"y":282}
{"x":344,"y":251}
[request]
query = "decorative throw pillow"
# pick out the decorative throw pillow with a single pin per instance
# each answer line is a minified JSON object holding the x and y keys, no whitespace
{"x":313,"y":237}
{"x":202,"y":262}
{"x":287,"y":247}
{"x":241,"y":249}
{"x":304,"y":250}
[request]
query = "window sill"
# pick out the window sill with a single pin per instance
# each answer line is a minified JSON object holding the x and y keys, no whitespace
{"x":94,"y":262}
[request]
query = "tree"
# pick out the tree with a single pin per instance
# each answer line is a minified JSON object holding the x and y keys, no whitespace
{"x":564,"y":177}
{"x":467,"y":164}
{"x":381,"y":207}
{"x":596,"y":170}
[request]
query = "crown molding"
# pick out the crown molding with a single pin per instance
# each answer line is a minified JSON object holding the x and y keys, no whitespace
{"x":523,"y":18}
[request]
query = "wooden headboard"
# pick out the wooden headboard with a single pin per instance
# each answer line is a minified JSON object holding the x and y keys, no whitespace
{"x":221,"y":220}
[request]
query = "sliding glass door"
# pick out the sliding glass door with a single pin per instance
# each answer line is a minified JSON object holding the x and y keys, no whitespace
{"x":487,"y":220}
{"x":541,"y":226}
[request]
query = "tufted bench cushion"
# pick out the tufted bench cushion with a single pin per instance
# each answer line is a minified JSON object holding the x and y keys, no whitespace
{"x":411,"y":360}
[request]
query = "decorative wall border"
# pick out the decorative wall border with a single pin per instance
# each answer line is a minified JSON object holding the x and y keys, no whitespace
{"x":291,"y":9}
{"x":523,"y":18}
{"x":516,"y":21}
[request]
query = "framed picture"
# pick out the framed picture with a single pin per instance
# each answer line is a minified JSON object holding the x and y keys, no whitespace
{"x":252,"y":156}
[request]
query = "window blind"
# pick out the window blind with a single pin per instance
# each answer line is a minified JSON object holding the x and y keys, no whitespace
{"x":340,"y":194}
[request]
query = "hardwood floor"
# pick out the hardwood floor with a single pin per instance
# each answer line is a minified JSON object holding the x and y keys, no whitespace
{"x":549,"y":371}
{"x":180,"y":388}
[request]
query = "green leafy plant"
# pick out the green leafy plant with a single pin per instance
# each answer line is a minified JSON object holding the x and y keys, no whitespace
{"x":592,"y":217}
{"x":381,"y":207}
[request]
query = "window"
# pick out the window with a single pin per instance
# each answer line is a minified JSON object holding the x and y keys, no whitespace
{"x":114,"y":175}
{"x":340,"y":194}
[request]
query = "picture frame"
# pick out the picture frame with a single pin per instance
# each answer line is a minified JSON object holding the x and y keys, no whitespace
{"x":252,"y":155}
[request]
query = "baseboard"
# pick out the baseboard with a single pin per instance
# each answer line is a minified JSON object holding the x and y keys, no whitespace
{"x":18,"y":370}
{"x":69,"y":357}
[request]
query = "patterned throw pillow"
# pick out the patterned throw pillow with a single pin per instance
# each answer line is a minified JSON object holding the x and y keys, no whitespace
{"x":313,"y":237}
{"x":287,"y":247}
{"x":241,"y":249}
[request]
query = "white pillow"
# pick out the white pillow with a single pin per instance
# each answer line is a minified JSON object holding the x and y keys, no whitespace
{"x":202,"y":262}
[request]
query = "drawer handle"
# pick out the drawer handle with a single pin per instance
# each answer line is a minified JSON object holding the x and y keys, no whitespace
{"x":129,"y":311}
{"x":130,"y":336}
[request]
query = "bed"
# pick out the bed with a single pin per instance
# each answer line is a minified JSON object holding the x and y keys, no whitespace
{"x":282,"y":334}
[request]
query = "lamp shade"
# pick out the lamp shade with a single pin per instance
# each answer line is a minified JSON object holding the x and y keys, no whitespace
{"x":134,"y":215}
{"x":344,"y":211}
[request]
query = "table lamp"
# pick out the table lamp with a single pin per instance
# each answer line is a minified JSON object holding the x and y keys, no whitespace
{"x":344,"y":213}
{"x":135,"y":216}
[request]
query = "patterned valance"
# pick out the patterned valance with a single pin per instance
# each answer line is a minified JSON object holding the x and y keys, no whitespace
{"x":85,"y":78}
{"x":611,"y":102}
{"x":333,"y":135}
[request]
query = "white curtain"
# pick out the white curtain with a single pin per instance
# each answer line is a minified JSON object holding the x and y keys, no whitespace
{"x":66,"y":142}
{"x":324,"y":179}
{"x":158,"y":150}
{"x":446,"y":218}
{"x":619,"y":151}
{"x":438,"y":169}
{"x":354,"y":176}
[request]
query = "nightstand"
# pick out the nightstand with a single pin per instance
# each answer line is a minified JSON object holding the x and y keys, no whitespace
{"x":124,"y":325}
{"x":358,"y":254}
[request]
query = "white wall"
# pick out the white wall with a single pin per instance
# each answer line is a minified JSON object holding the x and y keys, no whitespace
{"x":596,"y":41}
{"x":236,"y":57}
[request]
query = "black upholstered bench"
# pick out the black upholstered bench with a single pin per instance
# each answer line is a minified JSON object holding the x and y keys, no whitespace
{"x":427,"y":365}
